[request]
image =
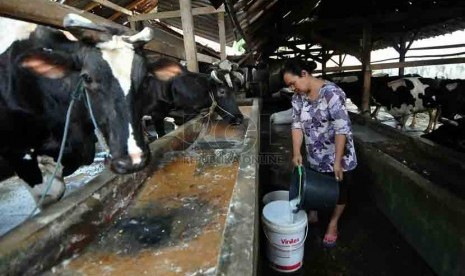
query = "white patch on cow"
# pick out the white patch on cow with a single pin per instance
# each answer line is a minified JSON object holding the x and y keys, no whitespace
{"x":27,"y":156}
{"x":119,"y":56}
{"x":134,"y":151}
{"x":14,"y":30}
{"x":396,"y":84}
{"x":403,"y":110}
{"x":418,"y":88}
{"x":452,"y":86}
{"x":345,"y":79}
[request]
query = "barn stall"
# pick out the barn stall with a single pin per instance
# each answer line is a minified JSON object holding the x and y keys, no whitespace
{"x":404,"y":174}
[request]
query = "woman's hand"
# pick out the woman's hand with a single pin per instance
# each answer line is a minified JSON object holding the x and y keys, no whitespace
{"x":338,"y":172}
{"x":297,"y":160}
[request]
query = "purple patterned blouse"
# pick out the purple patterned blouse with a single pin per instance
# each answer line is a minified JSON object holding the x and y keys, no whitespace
{"x":320,"y":121}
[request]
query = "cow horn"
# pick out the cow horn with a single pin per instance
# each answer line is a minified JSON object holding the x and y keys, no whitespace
{"x":228,"y":80}
{"x":73,"y":20}
{"x":143,"y":36}
{"x":239,"y":77}
{"x":215,"y":77}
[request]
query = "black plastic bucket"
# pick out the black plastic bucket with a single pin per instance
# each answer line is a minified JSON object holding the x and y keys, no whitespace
{"x":318,"y":191}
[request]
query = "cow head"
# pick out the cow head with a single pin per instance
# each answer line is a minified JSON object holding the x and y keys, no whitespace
{"x":227,"y":79}
{"x":111,"y":70}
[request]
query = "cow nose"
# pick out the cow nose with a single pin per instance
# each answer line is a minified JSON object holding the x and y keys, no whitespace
{"x":130,"y":163}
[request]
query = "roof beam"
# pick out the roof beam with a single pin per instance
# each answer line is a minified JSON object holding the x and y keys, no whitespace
{"x":51,"y":13}
{"x":113,"y":6}
{"x":131,"y":6}
{"x":398,"y":64}
{"x":177,"y":13}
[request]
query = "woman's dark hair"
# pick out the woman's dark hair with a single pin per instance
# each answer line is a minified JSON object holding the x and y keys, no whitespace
{"x":295,"y":67}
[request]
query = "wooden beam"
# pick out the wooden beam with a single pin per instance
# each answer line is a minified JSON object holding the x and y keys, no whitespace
{"x":439,"y":47}
{"x":171,"y":14}
{"x":392,"y":65}
{"x":131,"y":6}
{"x":46,"y":12}
{"x":50,"y":13}
{"x":91,"y":6}
{"x":189,"y":38}
{"x":343,"y":47}
{"x":233,"y":16}
{"x":113,"y":6}
{"x":222,"y":35}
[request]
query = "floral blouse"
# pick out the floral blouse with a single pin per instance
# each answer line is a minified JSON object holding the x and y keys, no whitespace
{"x":320,"y":121}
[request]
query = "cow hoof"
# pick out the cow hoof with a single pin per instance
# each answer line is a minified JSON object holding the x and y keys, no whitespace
{"x":54,"y":193}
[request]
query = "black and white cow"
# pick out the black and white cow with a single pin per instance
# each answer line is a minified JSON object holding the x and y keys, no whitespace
{"x":40,"y":69}
{"x":407,"y":96}
{"x":180,"y":94}
{"x":451,"y":98}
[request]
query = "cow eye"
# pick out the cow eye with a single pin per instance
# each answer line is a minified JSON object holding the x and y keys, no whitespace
{"x":221,"y":93}
{"x":86,"y":78}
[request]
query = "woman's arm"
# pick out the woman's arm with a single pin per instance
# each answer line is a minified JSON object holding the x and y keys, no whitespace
{"x":297,"y":135}
{"x":341,"y":123}
{"x":340,"y":141}
{"x":296,"y":145}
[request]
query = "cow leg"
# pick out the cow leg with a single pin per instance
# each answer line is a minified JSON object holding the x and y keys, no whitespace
{"x":148,"y":127}
{"x":26,"y":167}
{"x":160,"y":127}
{"x":403,"y":121}
{"x":57,"y":188}
{"x":414,"y":120}
{"x":436,"y":117}
{"x":431,"y":119}
{"x":374,"y":115}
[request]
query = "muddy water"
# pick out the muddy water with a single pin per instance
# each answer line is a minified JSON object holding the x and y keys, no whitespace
{"x":176,"y":222}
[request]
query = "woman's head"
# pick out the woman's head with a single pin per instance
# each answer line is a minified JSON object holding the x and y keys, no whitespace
{"x":297,"y":74}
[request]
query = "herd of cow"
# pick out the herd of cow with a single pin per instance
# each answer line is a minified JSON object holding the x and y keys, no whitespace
{"x":406,"y":96}
{"x":42,"y":68}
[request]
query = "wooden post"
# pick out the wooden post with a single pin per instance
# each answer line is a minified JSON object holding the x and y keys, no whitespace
{"x":222,"y":35}
{"x":324,"y":59}
{"x":402,"y":52}
{"x":366,"y":67}
{"x":189,"y":39}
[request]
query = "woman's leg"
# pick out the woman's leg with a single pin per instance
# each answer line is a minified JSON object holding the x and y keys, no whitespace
{"x":332,"y":230}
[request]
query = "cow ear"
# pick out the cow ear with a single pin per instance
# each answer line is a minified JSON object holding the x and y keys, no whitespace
{"x":49,"y":64}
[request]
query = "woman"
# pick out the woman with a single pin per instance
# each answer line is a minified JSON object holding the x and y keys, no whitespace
{"x":319,"y":113}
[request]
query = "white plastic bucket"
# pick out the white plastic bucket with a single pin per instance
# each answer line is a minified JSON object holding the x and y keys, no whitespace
{"x":285,"y":238}
{"x":276,"y":195}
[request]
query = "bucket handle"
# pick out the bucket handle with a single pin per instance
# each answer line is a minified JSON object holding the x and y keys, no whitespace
{"x":277,"y":246}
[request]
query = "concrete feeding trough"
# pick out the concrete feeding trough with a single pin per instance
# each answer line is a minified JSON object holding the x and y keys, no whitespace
{"x":183,"y":213}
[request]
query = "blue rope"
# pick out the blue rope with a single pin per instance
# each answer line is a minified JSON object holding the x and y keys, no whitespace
{"x":76,"y":95}
{"x":97,"y":131}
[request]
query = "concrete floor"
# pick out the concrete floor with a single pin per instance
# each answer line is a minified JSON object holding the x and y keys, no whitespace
{"x":368,"y":243}
{"x":16,"y":202}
